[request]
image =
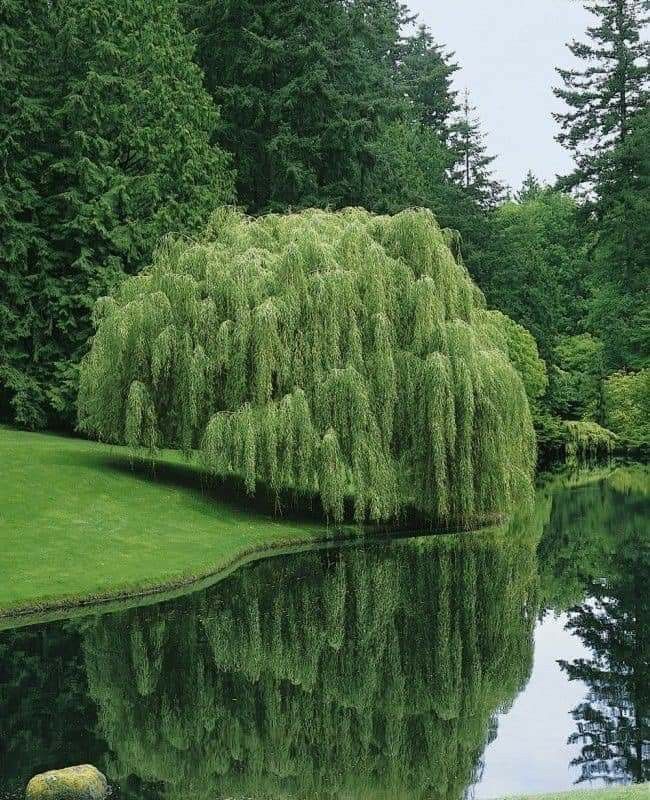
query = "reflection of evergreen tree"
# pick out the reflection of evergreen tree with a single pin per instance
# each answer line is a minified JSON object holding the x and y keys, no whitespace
{"x":598,"y":548}
{"x":44,"y":711}
{"x":614,"y":721}
{"x":367,"y":672}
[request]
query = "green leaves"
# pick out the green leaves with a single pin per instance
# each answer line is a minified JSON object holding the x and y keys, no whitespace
{"x":107,"y":134}
{"x":620,"y":303}
{"x":627,"y":405}
{"x":345,"y":356}
{"x":609,"y":91}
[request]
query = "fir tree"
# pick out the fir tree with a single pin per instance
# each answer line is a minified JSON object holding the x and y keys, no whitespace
{"x":606,"y":129}
{"x":110,"y":149}
{"x":530,"y":189}
{"x":427,"y":72}
{"x":472,"y":169}
{"x":620,"y":282}
{"x":303,"y":88}
{"x":409,"y":169}
{"x":604,"y":96}
{"x":413,"y":158}
{"x":24,"y":116}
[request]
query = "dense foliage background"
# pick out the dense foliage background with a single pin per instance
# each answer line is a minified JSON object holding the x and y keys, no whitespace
{"x":125,"y":121}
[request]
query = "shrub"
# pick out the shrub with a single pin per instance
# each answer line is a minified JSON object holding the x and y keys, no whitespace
{"x":587,"y":441}
{"x":343,"y":355}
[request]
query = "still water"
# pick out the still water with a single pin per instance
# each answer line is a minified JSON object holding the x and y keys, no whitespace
{"x":516,"y":659}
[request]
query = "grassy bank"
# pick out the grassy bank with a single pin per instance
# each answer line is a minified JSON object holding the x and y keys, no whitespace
{"x":79,"y":521}
{"x":638,"y":792}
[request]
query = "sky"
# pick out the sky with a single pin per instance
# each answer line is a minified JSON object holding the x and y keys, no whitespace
{"x":530,"y":754}
{"x":507,"y":51}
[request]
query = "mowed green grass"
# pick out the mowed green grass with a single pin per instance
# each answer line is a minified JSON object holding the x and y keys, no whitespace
{"x":79,"y":520}
{"x":638,"y":792}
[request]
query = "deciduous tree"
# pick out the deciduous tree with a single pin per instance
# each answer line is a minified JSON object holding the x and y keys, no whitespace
{"x":344,"y":356}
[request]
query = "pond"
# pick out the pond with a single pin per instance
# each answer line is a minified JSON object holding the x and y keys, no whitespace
{"x":477,"y":665}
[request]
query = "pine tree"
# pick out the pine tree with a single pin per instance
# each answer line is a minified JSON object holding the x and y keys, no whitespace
{"x":604,"y":96}
{"x":531,"y":188}
{"x":110,"y":147}
{"x":303,"y":89}
{"x":473,"y":164}
{"x":426,"y":73}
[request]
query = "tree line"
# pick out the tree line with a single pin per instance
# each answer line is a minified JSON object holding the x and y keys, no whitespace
{"x":123,"y":122}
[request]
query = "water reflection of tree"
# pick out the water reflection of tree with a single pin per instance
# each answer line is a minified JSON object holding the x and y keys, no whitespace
{"x":46,"y":720}
{"x":613,"y":724}
{"x":372,"y":672}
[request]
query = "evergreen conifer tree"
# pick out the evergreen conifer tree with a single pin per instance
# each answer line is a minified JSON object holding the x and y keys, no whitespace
{"x":303,"y":88}
{"x":620,"y":307}
{"x":531,"y":188}
{"x":473,"y":163}
{"x":413,"y":158}
{"x":611,"y":88}
{"x":605,"y":127}
{"x":23,"y":118}
{"x":427,"y":73}
{"x":109,"y":143}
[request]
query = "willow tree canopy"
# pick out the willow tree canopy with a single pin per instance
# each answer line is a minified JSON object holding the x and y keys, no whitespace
{"x":340,"y":355}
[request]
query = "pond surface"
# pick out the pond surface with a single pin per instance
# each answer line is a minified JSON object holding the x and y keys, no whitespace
{"x":516,"y":659}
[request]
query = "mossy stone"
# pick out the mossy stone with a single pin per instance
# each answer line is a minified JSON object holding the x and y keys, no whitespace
{"x":82,"y":782}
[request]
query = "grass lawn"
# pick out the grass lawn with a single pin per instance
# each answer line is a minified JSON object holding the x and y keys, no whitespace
{"x":78,"y":520}
{"x":638,"y":792}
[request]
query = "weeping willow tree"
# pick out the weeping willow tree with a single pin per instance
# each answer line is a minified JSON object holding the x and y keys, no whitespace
{"x":340,"y":355}
{"x":587,"y":441}
{"x":365,"y":673}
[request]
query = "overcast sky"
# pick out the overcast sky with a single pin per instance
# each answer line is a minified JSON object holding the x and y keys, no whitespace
{"x":507,"y":51}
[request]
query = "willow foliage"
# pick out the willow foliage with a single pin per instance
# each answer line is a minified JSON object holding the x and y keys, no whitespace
{"x":586,"y":441}
{"x":343,"y":355}
{"x":298,"y":677}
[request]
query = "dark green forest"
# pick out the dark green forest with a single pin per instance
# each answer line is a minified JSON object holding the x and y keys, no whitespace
{"x":127,"y":122}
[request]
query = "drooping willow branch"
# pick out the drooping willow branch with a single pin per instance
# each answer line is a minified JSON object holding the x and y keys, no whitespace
{"x":342,"y":355}
{"x":369,"y":673}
